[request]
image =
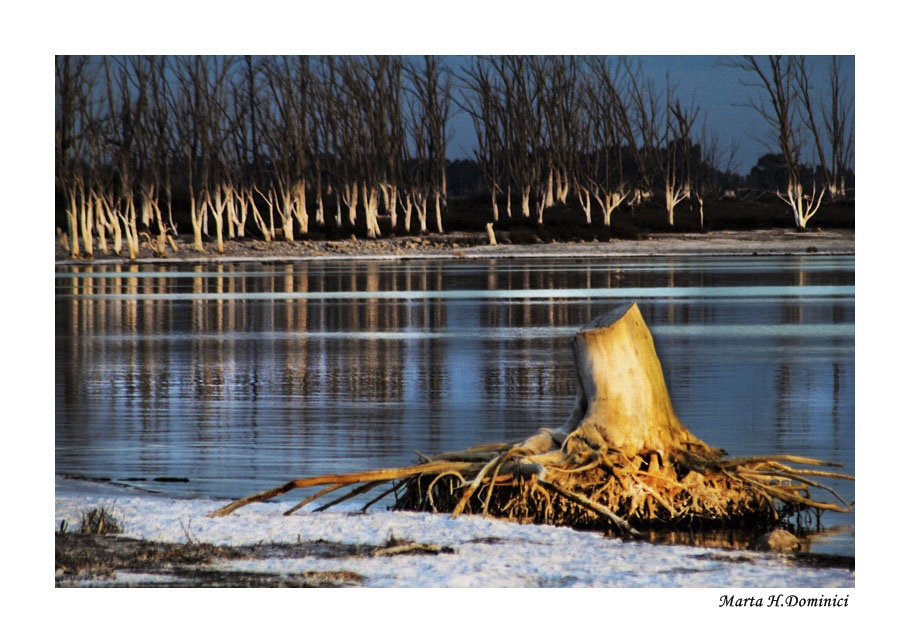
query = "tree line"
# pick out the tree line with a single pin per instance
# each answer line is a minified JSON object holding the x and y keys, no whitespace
{"x":238,"y":145}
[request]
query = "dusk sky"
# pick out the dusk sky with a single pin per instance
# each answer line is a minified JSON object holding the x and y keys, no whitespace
{"x":710,"y":84}
{"x":665,"y":34}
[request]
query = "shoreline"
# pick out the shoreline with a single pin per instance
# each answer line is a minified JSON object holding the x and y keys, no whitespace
{"x":164,"y":541}
{"x":461,"y":246}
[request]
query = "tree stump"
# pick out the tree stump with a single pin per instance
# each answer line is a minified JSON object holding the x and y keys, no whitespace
{"x":622,"y":462}
{"x":622,"y":401}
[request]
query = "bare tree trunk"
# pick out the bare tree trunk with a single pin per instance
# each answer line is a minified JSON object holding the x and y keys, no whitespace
{"x":701,"y":209}
{"x":548,"y":199}
{"x":217,"y":210}
{"x":803,"y":206}
{"x":420,"y":204}
{"x":675,"y":194}
{"x":286,"y":214}
{"x":196,"y":221}
{"x":351,"y":196}
{"x":300,"y":210}
{"x":584,"y":200}
{"x":98,"y":219}
{"x":86,"y":224}
{"x":72,"y":222}
{"x":622,"y":401}
{"x":371,"y":210}
{"x":438,"y":196}
{"x":610,"y":201}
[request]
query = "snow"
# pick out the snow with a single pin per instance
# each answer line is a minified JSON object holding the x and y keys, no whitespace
{"x":633,"y":589}
{"x":487,"y":553}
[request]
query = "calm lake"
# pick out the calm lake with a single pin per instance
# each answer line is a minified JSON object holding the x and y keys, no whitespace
{"x":240,"y":376}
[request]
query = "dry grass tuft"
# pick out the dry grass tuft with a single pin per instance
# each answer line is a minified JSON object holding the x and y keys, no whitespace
{"x":100,"y":521}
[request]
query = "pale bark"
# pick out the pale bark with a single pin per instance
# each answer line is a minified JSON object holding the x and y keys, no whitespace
{"x":610,"y":201}
{"x":675,"y":194}
{"x":350,"y":196}
{"x":491,"y":235}
{"x":217,"y":210}
{"x":72,"y":222}
{"x":438,"y":204}
{"x":584,"y":200}
{"x":408,"y":205}
{"x":371,"y":210}
{"x":803,"y":206}
{"x":526,"y":201}
{"x":86,"y":224}
{"x":300,"y":209}
{"x":622,"y":400}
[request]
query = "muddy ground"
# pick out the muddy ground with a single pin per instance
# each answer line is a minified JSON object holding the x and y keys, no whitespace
{"x":476,"y":245}
{"x":91,"y":560}
{"x":87,"y":560}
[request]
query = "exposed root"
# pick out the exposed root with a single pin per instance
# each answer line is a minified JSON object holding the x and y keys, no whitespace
{"x":608,"y":492}
{"x":380,"y":475}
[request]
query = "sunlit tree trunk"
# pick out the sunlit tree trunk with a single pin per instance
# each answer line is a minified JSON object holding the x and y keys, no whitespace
{"x":622,"y":401}
{"x":197,"y":214}
{"x":351,"y":197}
{"x":300,"y":209}
{"x":438,"y":205}
{"x":371,"y":209}
{"x":526,"y":201}
{"x":72,"y":220}
{"x":609,"y":202}
{"x":286,"y":214}
{"x":217,"y":211}
{"x":674,"y":195}
{"x":408,"y":206}
{"x":802,"y":205}
{"x":584,"y":200}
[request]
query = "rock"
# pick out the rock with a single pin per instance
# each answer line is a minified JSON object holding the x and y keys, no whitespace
{"x":778,"y":541}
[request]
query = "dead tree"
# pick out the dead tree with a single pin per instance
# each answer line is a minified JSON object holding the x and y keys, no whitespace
{"x":600,"y":163}
{"x":429,"y":105}
{"x":74,"y":79}
{"x":779,"y":106}
{"x":622,"y":462}
{"x":828,"y":122}
{"x":479,"y":97}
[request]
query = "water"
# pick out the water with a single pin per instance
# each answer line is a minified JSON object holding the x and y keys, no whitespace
{"x":239,"y":377}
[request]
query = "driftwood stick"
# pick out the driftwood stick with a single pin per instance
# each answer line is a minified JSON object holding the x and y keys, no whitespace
{"x":395,"y":487}
{"x":309,"y":499}
{"x":353,"y":493}
{"x":767,"y":459}
{"x":344,"y":480}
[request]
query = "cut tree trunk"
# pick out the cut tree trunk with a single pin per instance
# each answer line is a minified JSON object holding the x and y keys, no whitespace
{"x":623,"y":461}
{"x":622,"y":400}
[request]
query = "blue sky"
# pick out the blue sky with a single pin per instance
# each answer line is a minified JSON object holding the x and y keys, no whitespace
{"x":713,"y":86}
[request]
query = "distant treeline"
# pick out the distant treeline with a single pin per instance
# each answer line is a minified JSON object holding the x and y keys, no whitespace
{"x":147,"y":146}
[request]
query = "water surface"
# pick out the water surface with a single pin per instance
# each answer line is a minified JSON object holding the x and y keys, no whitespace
{"x":238,"y":377}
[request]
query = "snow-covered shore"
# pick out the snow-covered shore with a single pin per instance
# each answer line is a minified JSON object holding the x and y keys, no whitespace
{"x":487,"y":553}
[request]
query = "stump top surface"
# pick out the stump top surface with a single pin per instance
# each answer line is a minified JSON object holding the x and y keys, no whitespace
{"x":609,"y":318}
